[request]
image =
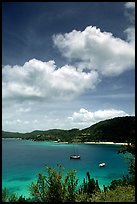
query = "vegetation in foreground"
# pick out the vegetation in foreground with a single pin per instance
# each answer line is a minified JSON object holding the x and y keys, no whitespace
{"x":54,"y":187}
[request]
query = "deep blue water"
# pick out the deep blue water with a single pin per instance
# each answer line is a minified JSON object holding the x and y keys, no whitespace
{"x":22,"y":160}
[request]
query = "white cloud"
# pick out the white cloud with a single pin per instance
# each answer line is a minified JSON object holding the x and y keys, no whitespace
{"x":18,"y":121}
{"x":23,"y":110}
{"x":85,"y":118}
{"x":130,"y":35}
{"x":130,"y":5}
{"x":94,"y":49}
{"x":130,"y":11}
{"x":26,"y":122}
{"x":25,"y":89}
{"x":35,"y":121}
{"x":15,"y":122}
{"x":37,"y":80}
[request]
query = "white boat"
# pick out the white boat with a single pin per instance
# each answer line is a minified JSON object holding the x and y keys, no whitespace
{"x":74,"y":157}
{"x":101,"y":164}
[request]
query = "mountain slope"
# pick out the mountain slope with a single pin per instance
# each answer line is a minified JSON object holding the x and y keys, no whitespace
{"x":120,"y":129}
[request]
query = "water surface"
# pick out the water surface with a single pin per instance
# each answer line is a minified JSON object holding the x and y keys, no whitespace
{"x":22,"y":160}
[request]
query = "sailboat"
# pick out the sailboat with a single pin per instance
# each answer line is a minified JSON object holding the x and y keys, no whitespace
{"x":74,"y":156}
{"x":101,"y":164}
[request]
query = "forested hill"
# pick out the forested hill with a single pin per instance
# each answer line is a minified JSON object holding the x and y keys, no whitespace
{"x":119,"y":129}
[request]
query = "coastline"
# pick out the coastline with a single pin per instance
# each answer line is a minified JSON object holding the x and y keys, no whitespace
{"x":6,"y":138}
{"x":120,"y":143}
{"x":114,"y":143}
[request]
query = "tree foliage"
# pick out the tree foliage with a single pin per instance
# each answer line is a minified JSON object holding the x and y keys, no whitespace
{"x":130,"y":148}
{"x":53,"y":187}
{"x":8,"y":197}
{"x":119,"y":194}
{"x":89,"y":185}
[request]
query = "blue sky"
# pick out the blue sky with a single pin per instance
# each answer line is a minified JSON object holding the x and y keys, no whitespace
{"x":66,"y":64}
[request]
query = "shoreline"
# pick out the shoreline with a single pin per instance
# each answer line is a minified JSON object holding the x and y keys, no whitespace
{"x":6,"y":138}
{"x":61,"y":142}
{"x":117,"y":143}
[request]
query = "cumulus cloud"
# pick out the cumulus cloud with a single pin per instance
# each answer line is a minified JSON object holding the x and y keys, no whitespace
{"x":85,"y":118}
{"x":92,"y":54}
{"x":94,"y":49}
{"x":130,"y":35}
{"x":130,"y":5}
{"x":44,"y":81}
{"x":130,"y":11}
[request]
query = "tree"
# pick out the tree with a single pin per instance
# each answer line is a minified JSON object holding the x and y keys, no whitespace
{"x":8,"y":197}
{"x":130,"y":148}
{"x":89,"y":185}
{"x":53,"y":187}
{"x":70,"y":186}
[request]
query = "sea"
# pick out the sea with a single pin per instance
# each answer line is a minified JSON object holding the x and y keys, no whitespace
{"x":22,"y":160}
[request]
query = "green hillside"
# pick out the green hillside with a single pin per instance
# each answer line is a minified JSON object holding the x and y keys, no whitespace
{"x":119,"y":129}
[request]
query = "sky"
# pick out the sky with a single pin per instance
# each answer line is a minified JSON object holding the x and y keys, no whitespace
{"x":66,"y":64}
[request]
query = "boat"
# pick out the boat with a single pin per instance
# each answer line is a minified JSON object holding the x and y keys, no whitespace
{"x":101,"y":164}
{"x":75,"y":155}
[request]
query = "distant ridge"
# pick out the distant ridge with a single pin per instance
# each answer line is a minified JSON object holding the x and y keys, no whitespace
{"x":118,"y":129}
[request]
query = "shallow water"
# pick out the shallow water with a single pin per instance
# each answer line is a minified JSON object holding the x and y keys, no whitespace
{"x":22,"y":160}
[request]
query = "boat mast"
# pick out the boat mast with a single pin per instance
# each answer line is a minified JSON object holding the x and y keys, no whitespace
{"x":74,"y":149}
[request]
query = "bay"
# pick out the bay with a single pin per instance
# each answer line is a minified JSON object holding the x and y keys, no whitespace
{"x":22,"y":160}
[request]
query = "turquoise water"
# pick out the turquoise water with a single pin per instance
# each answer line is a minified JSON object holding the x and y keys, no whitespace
{"x":23,"y":159}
